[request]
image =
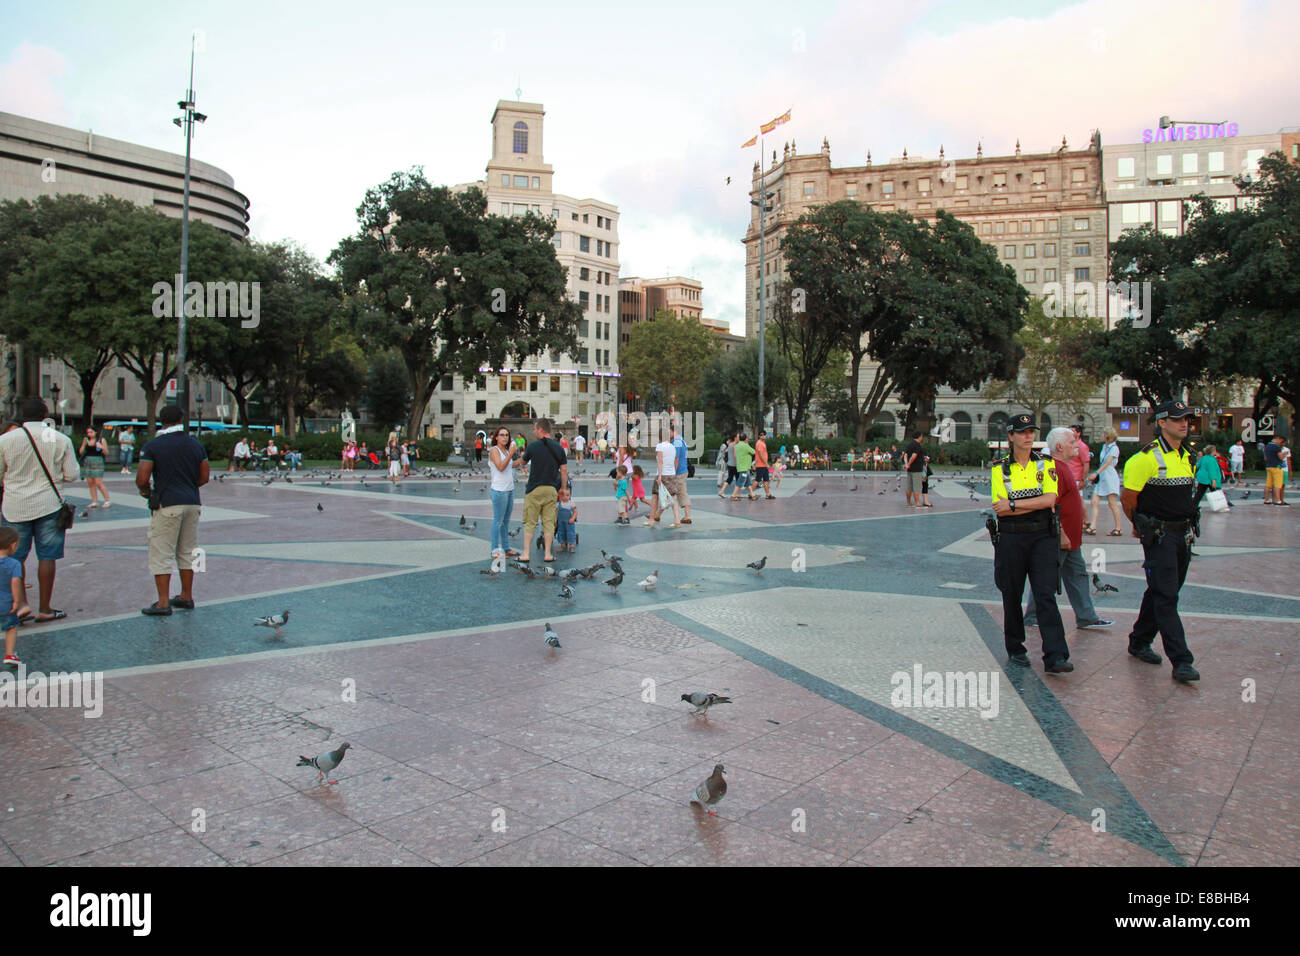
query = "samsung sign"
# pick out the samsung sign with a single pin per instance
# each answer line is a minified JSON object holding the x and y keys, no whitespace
{"x":1200,"y":131}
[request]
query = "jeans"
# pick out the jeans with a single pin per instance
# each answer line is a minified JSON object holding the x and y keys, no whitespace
{"x":126,"y":453}
{"x":502,"y":504}
{"x":45,"y":531}
{"x":1074,"y":575}
{"x":565,"y":533}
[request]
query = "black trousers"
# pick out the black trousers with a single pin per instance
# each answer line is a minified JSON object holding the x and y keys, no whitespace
{"x":1015,"y":557}
{"x":1166,"y":567}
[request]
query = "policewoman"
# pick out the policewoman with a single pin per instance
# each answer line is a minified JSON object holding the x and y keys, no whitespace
{"x":1159,"y":497}
{"x":1025,"y":544}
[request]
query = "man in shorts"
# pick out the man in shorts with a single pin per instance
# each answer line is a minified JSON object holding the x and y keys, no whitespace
{"x":677,"y":474}
{"x":548,"y":471}
{"x":661,"y":496}
{"x":1274,"y":463}
{"x":761,"y":473}
{"x":914,"y":465}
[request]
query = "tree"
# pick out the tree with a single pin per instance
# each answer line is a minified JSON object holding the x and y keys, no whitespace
{"x":931,"y":305}
{"x":387,"y":396}
{"x":667,"y":356}
{"x":1049,"y":375}
{"x":730,"y":392}
{"x":810,"y":344}
{"x":451,"y":288}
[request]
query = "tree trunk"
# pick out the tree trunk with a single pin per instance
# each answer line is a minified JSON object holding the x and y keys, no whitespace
{"x":87,"y":381}
{"x":241,"y":407}
{"x":291,"y":418}
{"x":421,"y":389}
{"x":151,"y":396}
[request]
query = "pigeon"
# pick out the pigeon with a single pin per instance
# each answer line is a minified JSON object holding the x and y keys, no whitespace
{"x":570,"y":574}
{"x":615,"y":581}
{"x":812,"y":491}
{"x":650,"y":581}
{"x":615,"y":566}
{"x":1245,"y":495}
{"x":711,"y":790}
{"x":526,"y":571}
{"x":758,"y":565}
{"x":85,"y":514}
{"x":702,"y":702}
{"x":854,"y":488}
{"x":548,"y":570}
{"x":288,"y":479}
{"x":1101,"y":588}
{"x":319,"y":506}
{"x":462,"y":521}
{"x":566,"y":592}
{"x":823,"y":504}
{"x":610,"y":557}
{"x":588,"y":572}
{"x":469,"y":528}
{"x":328,"y":761}
{"x":489,"y":571}
{"x":516,"y":531}
{"x":552,"y":639}
{"x":277,"y":621}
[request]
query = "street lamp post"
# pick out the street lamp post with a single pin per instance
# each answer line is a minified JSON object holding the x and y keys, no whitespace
{"x":186,"y":122}
{"x":55,"y":390}
{"x":198,"y":404}
{"x":763,"y":208}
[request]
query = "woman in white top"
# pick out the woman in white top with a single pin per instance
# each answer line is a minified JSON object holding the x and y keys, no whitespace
{"x":1107,"y":484}
{"x":503,"y":458}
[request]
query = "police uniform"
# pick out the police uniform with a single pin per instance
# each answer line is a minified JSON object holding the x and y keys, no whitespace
{"x":1164,"y":517}
{"x":1027,"y":546}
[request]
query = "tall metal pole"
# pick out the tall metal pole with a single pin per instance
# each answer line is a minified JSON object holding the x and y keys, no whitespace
{"x":182,"y":378}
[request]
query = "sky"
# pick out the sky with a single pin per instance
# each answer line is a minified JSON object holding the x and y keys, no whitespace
{"x":310,"y":104}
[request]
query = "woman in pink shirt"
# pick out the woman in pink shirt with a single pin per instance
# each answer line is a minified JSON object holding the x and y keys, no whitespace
{"x":1079,"y":465}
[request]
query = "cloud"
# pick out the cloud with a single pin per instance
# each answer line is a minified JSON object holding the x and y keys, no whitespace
{"x":28,"y":83}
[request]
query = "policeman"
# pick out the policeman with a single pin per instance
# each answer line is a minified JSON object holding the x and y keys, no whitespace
{"x":1159,"y":497}
{"x":1024,"y":496}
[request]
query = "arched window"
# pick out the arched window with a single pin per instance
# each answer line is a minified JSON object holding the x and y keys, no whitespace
{"x":521,"y":137}
{"x":518,"y":410}
{"x":961,"y":421}
{"x":998,"y":426}
{"x":1044,"y":425}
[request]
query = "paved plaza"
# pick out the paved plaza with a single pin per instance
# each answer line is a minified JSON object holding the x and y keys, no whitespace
{"x":472,"y":742}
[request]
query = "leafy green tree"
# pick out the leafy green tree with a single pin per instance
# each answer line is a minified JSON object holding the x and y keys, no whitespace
{"x":1050,"y":374}
{"x":451,"y":288}
{"x":930,"y":305}
{"x":388,"y":394}
{"x":730,"y":392}
{"x":667,"y":356}
{"x":810,"y":344}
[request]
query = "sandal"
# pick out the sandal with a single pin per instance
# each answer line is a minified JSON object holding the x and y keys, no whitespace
{"x":54,"y":616}
{"x":1089,"y":529}
{"x":1115,"y":534}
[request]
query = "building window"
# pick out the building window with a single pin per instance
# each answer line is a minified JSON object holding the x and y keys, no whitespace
{"x":501,"y":384}
{"x":999,"y":180}
{"x":1008,"y":252}
{"x":1082,"y":249}
{"x":1031,"y":251}
{"x":1165,"y":165}
{"x":555,"y":409}
{"x":574,"y":216}
{"x":1078,"y":174}
{"x":810,"y":189}
{"x":480,"y":407}
{"x":447,"y":407}
{"x":555,"y":383}
{"x":582,"y":381}
{"x":963,"y":182}
{"x":582,"y":360}
{"x":121,"y":389}
{"x":1169,"y":211}
{"x":1126,"y":166}
{"x":1190,"y":163}
{"x":584,"y":300}
{"x":586,"y":217}
{"x":850,"y":189}
{"x":505,"y":179}
{"x":887,"y":187}
{"x":537,"y":182}
{"x":1049,"y":249}
{"x":1049,"y":275}
{"x":1012,"y":226}
{"x":1031,"y":275}
{"x":1215,"y":161}
{"x":584,"y":273}
{"x":557,"y":240}
{"x":1000,"y":228}
{"x":584,"y":244}
{"x":986,"y":228}
{"x":923,"y":184}
{"x":1081,"y":224}
{"x":516,"y":383}
{"x":1081,"y":274}
{"x":521,"y":137}
{"x":1038,"y":177}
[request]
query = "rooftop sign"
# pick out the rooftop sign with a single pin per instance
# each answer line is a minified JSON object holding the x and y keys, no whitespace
{"x":1192,"y":131}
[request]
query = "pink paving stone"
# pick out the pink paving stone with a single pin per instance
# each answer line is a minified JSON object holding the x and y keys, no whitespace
{"x":645,"y":827}
{"x":233,"y":786}
{"x":557,"y":738}
{"x":741,"y":845}
{"x":174,"y":847}
{"x":168,"y":760}
{"x":265,"y":830}
{"x":631,"y":761}
{"x":456,"y":830}
{"x":552,"y":848}
{"x":1074,"y":843}
{"x":989,"y":807}
{"x":810,"y":816}
{"x":922,"y":842}
{"x":49,"y":788}
{"x":553,"y":793}
{"x":42,"y":838}
{"x":474,"y":762}
{"x":358,"y":848}
{"x":1220,"y":852}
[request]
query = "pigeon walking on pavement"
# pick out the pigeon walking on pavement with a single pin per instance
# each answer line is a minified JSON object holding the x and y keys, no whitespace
{"x":702,"y":701}
{"x":325,"y":762}
{"x":552,"y":639}
{"x":566,"y":592}
{"x":650,"y":581}
{"x":1100,"y":588}
{"x":758,"y":565}
{"x":711,"y":790}
{"x":277,"y":621}
{"x":615,"y":581}
{"x":319,"y":506}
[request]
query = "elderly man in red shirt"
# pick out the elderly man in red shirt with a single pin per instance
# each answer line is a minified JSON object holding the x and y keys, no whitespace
{"x":1063,"y":444}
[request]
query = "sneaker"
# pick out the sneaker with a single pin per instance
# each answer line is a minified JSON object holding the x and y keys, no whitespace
{"x":1060,"y":667}
{"x":12,"y":660}
{"x":1185,"y":673}
{"x":105,"y":505}
{"x":1020,"y":659}
{"x":1146,"y":654}
{"x":1100,"y":622}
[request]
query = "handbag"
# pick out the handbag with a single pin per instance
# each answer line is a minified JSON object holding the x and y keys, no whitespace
{"x":66,"y":511}
{"x":1217,"y":499}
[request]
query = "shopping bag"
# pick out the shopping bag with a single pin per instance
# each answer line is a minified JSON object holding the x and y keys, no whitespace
{"x":1217,"y":499}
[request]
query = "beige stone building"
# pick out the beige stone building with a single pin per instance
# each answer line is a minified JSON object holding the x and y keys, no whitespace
{"x":1044,"y":212}
{"x":571,"y":389}
{"x":38,"y":159}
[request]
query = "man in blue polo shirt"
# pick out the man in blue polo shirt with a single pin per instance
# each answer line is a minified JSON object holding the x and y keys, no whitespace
{"x":676,"y":482}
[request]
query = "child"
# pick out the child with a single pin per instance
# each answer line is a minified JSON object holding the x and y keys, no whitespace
{"x":621,"y":496}
{"x":638,"y":489}
{"x":777,"y":470}
{"x":566,"y":522}
{"x":11,"y":593}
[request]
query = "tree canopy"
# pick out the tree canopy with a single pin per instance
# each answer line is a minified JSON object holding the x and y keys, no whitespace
{"x":667,"y":356}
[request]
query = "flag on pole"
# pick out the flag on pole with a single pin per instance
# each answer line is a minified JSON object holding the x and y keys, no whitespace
{"x":768,"y":127}
{"x":752,"y":142}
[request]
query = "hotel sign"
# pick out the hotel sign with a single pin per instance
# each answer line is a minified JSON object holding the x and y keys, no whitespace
{"x":1189,"y":132}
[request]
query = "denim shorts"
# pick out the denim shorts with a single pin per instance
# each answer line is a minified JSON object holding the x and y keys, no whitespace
{"x":8,"y":621}
{"x":49,"y":539}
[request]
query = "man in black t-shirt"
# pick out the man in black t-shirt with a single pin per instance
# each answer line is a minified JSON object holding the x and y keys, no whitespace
{"x":548,"y":469}
{"x":178,"y":466}
{"x":914,"y":465}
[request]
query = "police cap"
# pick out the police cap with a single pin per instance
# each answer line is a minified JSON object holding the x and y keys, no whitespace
{"x":1021,"y":423}
{"x":1171,"y":409}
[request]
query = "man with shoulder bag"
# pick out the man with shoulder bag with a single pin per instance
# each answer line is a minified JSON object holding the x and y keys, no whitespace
{"x":30,"y":457}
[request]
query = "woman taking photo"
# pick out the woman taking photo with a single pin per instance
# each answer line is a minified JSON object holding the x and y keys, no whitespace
{"x":503,"y":458}
{"x":91,"y":454}
{"x":1106,"y":479}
